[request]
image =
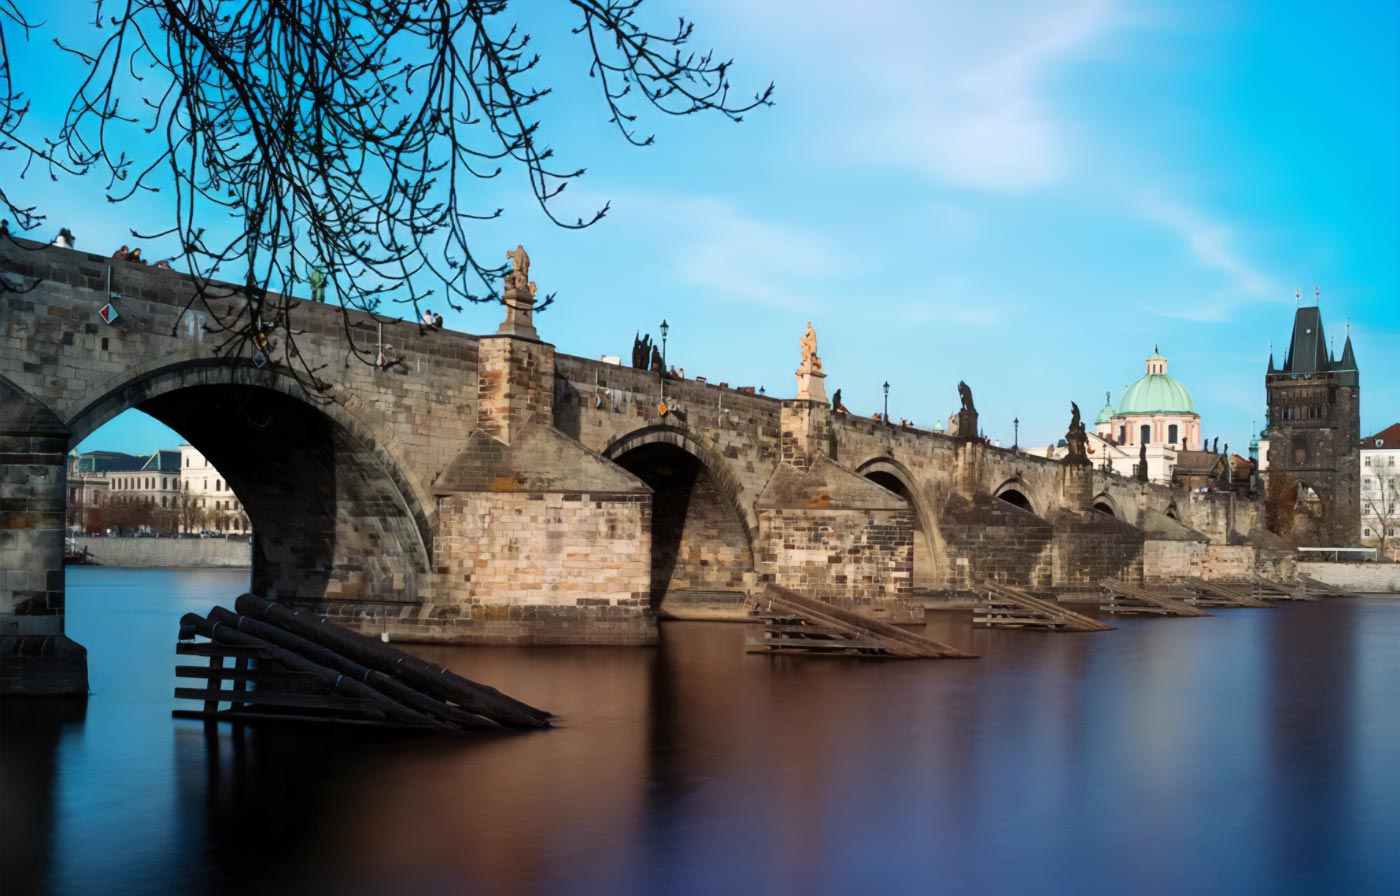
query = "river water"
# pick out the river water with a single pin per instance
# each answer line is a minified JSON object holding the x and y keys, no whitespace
{"x":1257,"y":751}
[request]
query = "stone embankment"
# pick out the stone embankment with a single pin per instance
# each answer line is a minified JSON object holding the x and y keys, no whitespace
{"x":1363,"y":578}
{"x":162,"y":552}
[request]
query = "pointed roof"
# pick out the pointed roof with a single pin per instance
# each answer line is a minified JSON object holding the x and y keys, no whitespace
{"x":1307,"y":350}
{"x":1348,"y":361}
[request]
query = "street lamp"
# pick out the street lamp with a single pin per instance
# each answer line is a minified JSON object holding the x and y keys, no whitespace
{"x":887,"y":402}
{"x":665,"y":328}
{"x":1017,"y":443}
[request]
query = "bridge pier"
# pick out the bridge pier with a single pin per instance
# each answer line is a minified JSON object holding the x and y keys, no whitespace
{"x":539,"y":540}
{"x":35,"y":655}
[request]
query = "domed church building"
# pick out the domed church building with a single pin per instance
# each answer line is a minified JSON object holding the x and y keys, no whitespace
{"x":1155,"y":410}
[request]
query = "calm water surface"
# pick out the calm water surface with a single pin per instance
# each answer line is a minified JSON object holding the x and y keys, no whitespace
{"x":1257,"y":751}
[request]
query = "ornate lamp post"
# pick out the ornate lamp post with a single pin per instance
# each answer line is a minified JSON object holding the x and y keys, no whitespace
{"x":665,"y":328}
{"x":886,"y":418}
{"x":1016,"y":445}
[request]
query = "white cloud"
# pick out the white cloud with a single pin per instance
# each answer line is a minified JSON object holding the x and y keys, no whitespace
{"x":955,"y":92}
{"x":714,"y":244}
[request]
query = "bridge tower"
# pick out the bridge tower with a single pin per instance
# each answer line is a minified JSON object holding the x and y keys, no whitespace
{"x":1314,"y":485}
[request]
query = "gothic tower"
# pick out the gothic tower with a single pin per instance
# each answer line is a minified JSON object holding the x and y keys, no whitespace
{"x":1314,"y":467}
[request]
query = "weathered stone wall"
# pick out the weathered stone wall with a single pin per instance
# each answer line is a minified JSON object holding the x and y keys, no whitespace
{"x":35,"y":656}
{"x":1093,"y":546}
{"x":989,"y":539}
{"x":584,"y":550}
{"x":1164,"y":562}
{"x":858,"y":559}
{"x":1364,"y":578}
{"x":196,"y":553}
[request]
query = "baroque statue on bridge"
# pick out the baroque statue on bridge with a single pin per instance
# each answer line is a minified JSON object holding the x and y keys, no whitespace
{"x":1077,"y":440}
{"x":965,"y":393}
{"x":810,"y":361}
{"x":519,"y":276}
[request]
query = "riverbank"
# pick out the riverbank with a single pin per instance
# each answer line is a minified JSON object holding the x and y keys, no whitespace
{"x":1362,"y":578}
{"x":177,"y":553}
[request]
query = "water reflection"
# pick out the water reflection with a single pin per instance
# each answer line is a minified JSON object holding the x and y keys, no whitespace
{"x":1251,"y":752}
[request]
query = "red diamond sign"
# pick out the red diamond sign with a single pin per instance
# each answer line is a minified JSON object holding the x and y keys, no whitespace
{"x":108,"y":313}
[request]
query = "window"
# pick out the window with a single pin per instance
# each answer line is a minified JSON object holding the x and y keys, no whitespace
{"x":218,"y":485}
{"x":1366,"y":531}
{"x":1145,"y":431}
{"x":1367,"y":461}
{"x":187,"y":462}
{"x":1171,"y":434}
{"x":1122,"y":435}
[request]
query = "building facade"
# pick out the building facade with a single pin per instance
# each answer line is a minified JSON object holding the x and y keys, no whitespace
{"x":1313,"y":460}
{"x":207,"y":500}
{"x":1380,"y":491}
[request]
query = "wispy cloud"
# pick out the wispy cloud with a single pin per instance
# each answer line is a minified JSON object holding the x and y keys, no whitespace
{"x":734,"y":253}
{"x":954,"y":92}
{"x":1212,"y":244}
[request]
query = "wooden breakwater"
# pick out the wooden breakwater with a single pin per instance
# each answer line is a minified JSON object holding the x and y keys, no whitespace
{"x":267,"y":662}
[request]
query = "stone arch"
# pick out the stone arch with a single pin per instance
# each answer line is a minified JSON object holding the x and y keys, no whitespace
{"x":1104,"y":503}
{"x":1173,"y":512}
{"x":1014,"y":491}
{"x":361,"y":528}
{"x":702,"y":533}
{"x":896,"y":477}
{"x":725,"y":481}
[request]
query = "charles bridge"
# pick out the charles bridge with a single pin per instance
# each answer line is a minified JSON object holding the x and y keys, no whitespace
{"x":488,"y":489}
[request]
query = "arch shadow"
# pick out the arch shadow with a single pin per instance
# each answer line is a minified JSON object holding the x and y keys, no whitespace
{"x":267,"y":435}
{"x":889,"y":473}
{"x":1014,"y":492}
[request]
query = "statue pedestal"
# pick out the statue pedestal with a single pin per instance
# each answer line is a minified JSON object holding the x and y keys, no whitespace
{"x":963,"y":425}
{"x":520,"y":312}
{"x":811,"y":385}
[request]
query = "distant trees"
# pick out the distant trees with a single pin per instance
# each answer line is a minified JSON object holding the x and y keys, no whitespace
{"x":343,"y":137}
{"x":1380,"y":505}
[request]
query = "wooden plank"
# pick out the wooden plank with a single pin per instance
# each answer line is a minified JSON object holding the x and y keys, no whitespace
{"x":1317,"y":586}
{"x":1128,"y":597}
{"x":896,"y":642}
{"x":214,"y":696}
{"x":241,"y":675}
{"x":213,"y":648}
{"x":249,"y":715}
{"x":1235,"y":598}
{"x":1008,"y":606}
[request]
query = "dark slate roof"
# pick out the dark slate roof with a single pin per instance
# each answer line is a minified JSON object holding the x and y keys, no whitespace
{"x":1307,"y":351}
{"x":1386,"y":438}
{"x":110,"y":462}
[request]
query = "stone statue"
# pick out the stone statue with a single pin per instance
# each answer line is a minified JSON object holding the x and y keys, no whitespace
{"x":1076,"y":440}
{"x":810,"y":361}
{"x":317,"y":279}
{"x":836,"y":402}
{"x":1142,"y":463}
{"x":657,"y":365}
{"x":519,"y":276}
{"x":641,"y":352}
{"x":965,"y":394}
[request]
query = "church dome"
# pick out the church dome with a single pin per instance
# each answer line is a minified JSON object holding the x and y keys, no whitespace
{"x":1105,"y":415}
{"x":1156,"y":393}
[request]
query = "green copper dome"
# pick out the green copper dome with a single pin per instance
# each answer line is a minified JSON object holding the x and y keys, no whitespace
{"x":1156,"y":393}
{"x":1105,"y":415}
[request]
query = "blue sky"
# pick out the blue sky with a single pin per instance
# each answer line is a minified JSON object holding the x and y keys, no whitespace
{"x":1024,"y":196}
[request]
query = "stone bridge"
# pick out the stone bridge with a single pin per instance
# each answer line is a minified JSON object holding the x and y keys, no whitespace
{"x":489,"y":489}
